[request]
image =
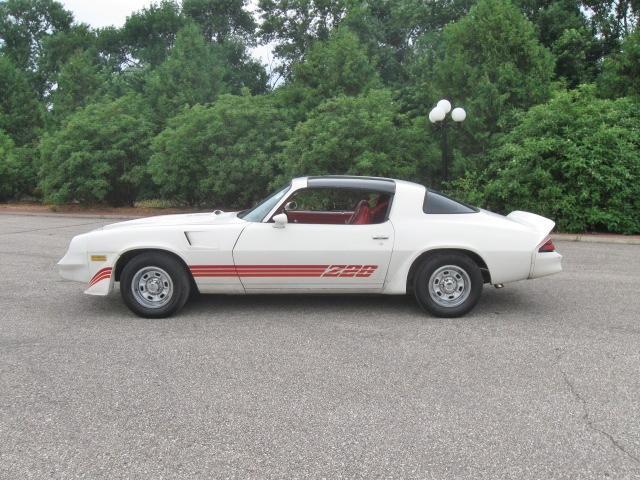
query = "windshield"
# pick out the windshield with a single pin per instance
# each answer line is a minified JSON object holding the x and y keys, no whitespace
{"x":257,"y":213}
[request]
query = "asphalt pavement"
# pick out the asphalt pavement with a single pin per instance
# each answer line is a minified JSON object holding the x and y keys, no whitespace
{"x":541,"y":380}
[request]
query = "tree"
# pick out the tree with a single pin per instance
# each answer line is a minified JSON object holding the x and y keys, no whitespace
{"x":7,"y":167}
{"x":389,"y":30}
{"x":563,"y":28}
{"x":57,"y":49}
{"x":17,"y":172}
{"x":24,"y":26}
{"x":21,"y":115}
{"x":241,"y":70}
{"x":221,"y":21}
{"x":337,"y":66}
{"x":149,"y":34}
{"x":612,"y":20}
{"x":79,"y":81}
{"x":574,"y":52}
{"x":575,"y":159}
{"x":621,"y":73}
{"x":364,"y":135}
{"x":295,"y":25}
{"x":99,"y":155}
{"x":492,"y":63}
{"x":191,"y":74}
{"x":223,"y":154}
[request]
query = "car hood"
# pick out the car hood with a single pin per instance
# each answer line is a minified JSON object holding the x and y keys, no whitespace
{"x":180,"y":219}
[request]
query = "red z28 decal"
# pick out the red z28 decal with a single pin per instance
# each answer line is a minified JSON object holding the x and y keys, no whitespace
{"x":317,"y":271}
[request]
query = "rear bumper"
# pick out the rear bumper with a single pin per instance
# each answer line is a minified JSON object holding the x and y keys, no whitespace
{"x":545,"y":263}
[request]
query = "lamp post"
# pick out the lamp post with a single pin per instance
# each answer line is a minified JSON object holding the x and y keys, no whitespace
{"x":439,"y":114}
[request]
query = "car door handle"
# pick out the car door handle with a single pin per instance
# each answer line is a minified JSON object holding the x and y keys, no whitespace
{"x":381,"y":237}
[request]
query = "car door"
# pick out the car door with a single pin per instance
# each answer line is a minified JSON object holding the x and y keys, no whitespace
{"x":314,"y":257}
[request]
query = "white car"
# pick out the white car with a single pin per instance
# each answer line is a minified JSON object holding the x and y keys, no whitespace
{"x":331,"y":234}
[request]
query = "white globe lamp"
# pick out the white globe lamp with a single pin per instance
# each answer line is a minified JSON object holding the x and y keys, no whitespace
{"x":444,"y":105}
{"x":458,"y":114}
{"x":437,"y":115}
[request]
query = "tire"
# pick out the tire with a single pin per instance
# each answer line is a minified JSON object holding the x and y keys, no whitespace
{"x":154,"y":285}
{"x":448,"y":284}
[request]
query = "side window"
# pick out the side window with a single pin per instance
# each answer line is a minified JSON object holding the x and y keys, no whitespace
{"x":437,"y":203}
{"x":337,"y":206}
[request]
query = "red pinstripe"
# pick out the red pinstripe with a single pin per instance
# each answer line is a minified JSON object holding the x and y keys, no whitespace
{"x":265,"y":271}
{"x":100,"y":275}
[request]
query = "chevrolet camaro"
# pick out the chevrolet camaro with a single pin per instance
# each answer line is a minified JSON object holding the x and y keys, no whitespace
{"x":330,"y":234}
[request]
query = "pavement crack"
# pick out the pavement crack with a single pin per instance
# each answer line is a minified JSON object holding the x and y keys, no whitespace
{"x":586,"y":416}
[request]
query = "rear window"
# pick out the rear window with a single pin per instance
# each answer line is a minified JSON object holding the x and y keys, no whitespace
{"x":438,"y":203}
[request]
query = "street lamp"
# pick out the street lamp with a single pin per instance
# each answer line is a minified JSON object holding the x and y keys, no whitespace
{"x":439,"y":114}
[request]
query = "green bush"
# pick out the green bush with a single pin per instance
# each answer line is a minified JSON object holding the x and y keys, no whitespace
{"x":220,"y":155}
{"x":17,"y":173}
{"x":99,"y":155}
{"x":575,"y":159}
{"x":364,"y":135}
{"x":7,"y":166}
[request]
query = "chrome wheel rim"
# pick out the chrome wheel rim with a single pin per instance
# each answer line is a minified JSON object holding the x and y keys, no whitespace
{"x":152,"y":287}
{"x":449,"y":286}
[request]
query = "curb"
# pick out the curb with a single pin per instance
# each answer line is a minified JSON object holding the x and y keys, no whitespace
{"x":594,"y":238}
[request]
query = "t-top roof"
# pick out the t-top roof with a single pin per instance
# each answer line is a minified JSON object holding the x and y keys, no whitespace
{"x":378,"y":184}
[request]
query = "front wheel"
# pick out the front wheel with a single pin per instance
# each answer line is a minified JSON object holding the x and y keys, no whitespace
{"x":154,"y":285}
{"x":448,"y":285}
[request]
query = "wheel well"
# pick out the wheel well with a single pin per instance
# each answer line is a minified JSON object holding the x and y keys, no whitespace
{"x":126,"y":256}
{"x":486,"y":275}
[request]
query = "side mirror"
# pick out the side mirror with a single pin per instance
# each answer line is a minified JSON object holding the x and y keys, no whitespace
{"x":290,"y":206}
{"x":280,"y":220}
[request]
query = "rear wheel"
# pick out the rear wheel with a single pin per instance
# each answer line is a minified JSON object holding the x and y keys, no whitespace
{"x":448,"y":285}
{"x":154,"y":285}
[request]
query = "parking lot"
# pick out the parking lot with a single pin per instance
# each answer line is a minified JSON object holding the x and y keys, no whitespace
{"x":542,"y":380}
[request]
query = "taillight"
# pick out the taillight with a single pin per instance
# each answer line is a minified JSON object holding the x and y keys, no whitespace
{"x":547,"y":246}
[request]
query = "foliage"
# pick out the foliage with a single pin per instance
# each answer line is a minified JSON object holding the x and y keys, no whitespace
{"x":79,"y":80}
{"x":364,"y":135}
{"x":390,"y":30}
{"x":83,"y":109}
{"x":24,"y":24}
{"x":221,"y":21}
{"x":295,"y":25}
{"x":621,"y":74}
{"x":222,"y":155}
{"x":189,"y":75}
{"x":493,"y":64}
{"x":574,"y":159}
{"x":98,"y":155}
{"x":242,"y":71}
{"x":149,"y":34}
{"x":612,"y":20}
{"x":8,"y":167}
{"x":57,"y":50}
{"x":337,"y":66}
{"x":20,"y":112}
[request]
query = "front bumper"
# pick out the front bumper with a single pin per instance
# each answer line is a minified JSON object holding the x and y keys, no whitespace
{"x":75,"y":264}
{"x":79,"y":265}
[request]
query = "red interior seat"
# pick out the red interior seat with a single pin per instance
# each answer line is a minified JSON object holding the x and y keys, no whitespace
{"x":362,"y":214}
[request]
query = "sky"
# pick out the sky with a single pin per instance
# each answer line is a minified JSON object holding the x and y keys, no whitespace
{"x":103,"y":13}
